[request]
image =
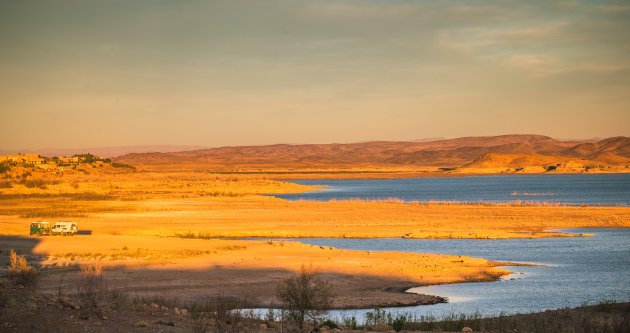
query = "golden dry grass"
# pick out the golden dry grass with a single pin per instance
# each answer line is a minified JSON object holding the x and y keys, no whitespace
{"x":229,"y":205}
{"x":137,"y":219}
{"x":258,"y":216}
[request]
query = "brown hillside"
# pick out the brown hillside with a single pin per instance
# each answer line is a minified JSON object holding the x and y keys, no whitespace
{"x":494,"y":160}
{"x":536,"y":163}
{"x":505,"y":151}
{"x":612,"y":146}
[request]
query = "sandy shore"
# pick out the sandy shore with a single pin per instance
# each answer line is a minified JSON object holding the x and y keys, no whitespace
{"x":188,"y":269}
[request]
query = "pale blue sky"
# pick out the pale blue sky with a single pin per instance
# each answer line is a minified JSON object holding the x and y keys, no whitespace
{"x":102,"y":73}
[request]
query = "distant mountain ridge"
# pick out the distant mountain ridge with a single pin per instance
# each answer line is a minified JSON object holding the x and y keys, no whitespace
{"x":466,"y":152}
{"x":112,"y":151}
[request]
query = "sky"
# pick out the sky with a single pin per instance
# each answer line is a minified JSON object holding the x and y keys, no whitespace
{"x":89,"y":73}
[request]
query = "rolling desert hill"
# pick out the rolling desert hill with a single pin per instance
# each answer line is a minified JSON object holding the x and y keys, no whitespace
{"x":505,"y":153}
{"x":619,"y":146}
{"x":108,"y":152}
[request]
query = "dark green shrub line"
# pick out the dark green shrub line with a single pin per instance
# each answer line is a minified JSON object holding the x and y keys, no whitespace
{"x":123,"y":165}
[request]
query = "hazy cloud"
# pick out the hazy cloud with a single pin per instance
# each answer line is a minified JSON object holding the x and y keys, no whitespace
{"x":242,"y":72}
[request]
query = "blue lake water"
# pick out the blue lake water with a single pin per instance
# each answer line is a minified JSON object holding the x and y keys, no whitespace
{"x":575,"y":271}
{"x":594,"y":189}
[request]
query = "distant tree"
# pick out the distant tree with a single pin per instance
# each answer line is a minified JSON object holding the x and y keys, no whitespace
{"x":87,"y":158}
{"x":5,"y":167}
{"x":305,"y":297}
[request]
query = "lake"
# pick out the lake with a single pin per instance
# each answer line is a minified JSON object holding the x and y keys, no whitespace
{"x":572,"y":189}
{"x":574,"y":271}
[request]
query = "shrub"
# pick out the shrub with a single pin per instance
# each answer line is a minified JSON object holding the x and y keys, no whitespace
{"x":39,"y":183}
{"x":376,"y":317}
{"x":270,"y":317}
{"x":350,"y":322}
{"x":86,"y":158}
{"x":123,"y":165}
{"x":305,"y":297}
{"x":398,"y":323}
{"x":605,"y":305}
{"x":5,"y":167}
{"x":21,"y":272}
{"x":92,"y":288}
{"x":330,"y":323}
{"x":220,"y":313}
{"x":33,"y":183}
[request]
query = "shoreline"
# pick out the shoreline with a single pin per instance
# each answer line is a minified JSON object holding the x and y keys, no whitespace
{"x":141,"y":316}
{"x":186,"y":269}
{"x":364,"y":172}
{"x":126,"y":314}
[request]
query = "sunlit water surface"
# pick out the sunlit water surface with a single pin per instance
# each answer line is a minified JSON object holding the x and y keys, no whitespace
{"x":575,"y":189}
{"x":572,"y":271}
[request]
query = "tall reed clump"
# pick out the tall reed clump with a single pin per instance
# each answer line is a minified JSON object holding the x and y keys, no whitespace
{"x":21,"y":272}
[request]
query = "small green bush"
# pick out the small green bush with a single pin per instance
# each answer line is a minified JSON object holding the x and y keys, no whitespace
{"x":330,"y":324}
{"x":398,"y":323}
